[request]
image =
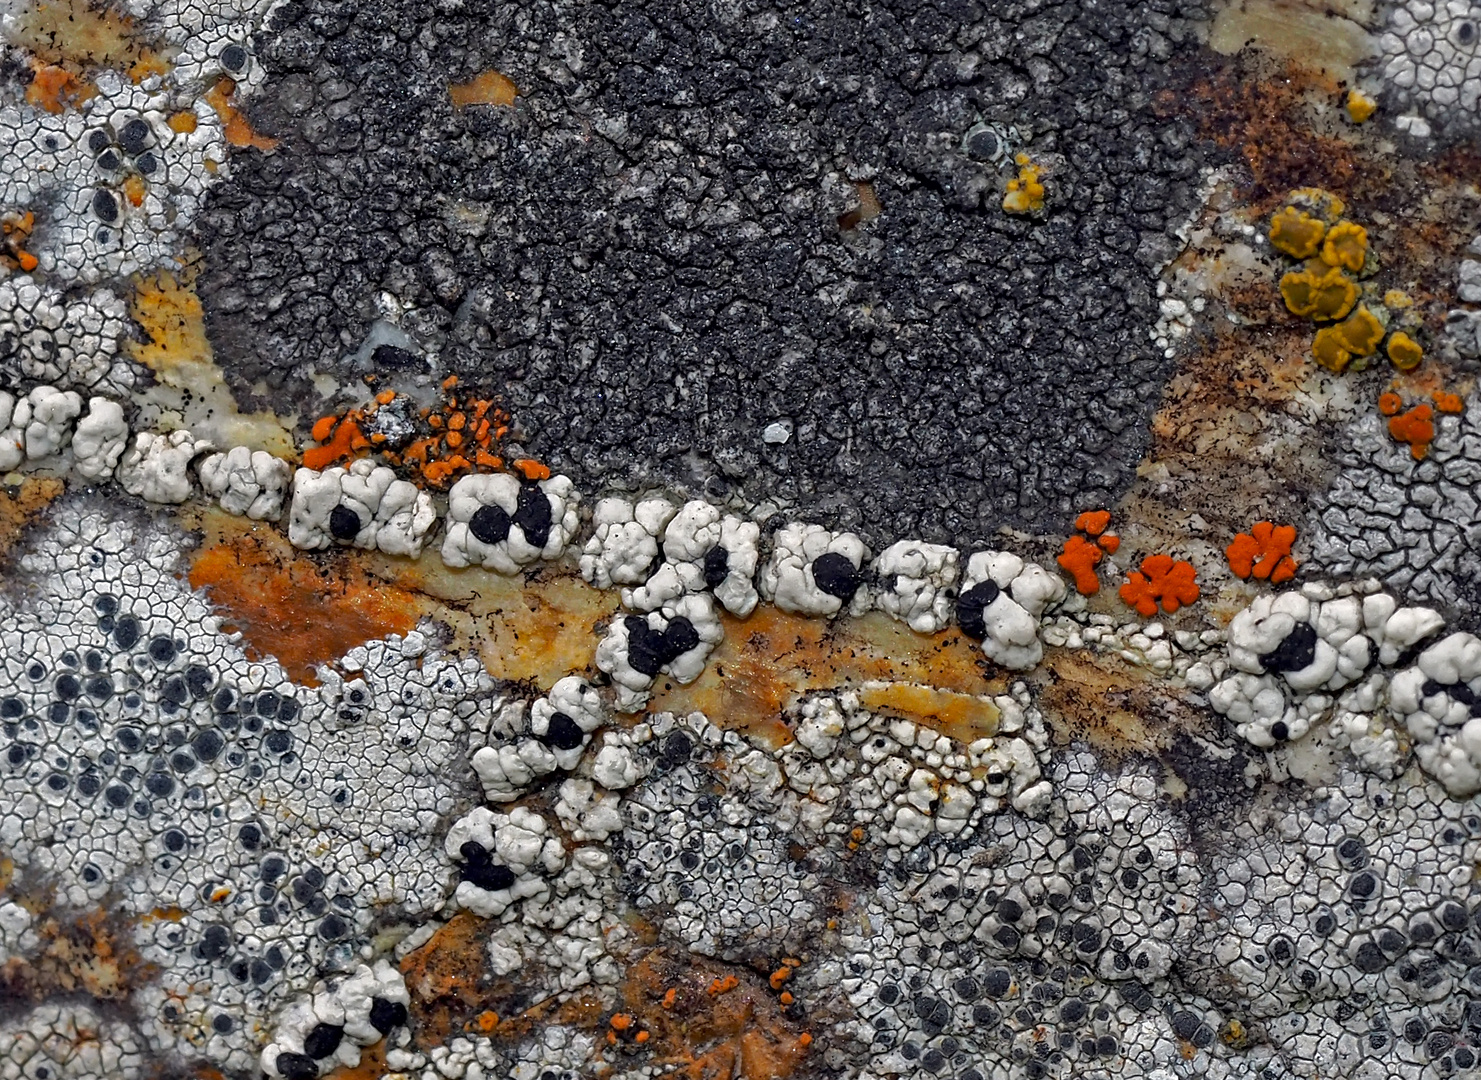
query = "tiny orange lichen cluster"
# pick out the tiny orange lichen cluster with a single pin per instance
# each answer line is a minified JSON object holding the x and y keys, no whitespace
{"x":624,"y":1028}
{"x":1080,"y":556}
{"x":1025,"y":193}
{"x":1327,"y":288}
{"x":453,"y":439}
{"x":1416,"y":425}
{"x":15,"y":230}
{"x":1161,"y":578}
{"x":1263,"y":553}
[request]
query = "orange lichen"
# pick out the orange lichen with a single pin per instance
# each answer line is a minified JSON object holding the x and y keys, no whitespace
{"x":15,"y":231}
{"x":134,"y":189}
{"x":1325,"y":295}
{"x":56,"y":89}
{"x":1360,"y":106}
{"x":780,"y":976}
{"x":1346,"y":245}
{"x":1093,"y":522}
{"x":669,"y":997}
{"x":1416,"y":428}
{"x":1025,"y":194}
{"x":341,"y":439}
{"x":621,"y":1022}
{"x":1079,"y":559}
{"x":1390,"y":403}
{"x":1361,"y":333}
{"x":1263,"y":553}
{"x":1329,"y":350}
{"x":487,"y":1021}
{"x":1447,"y":402}
{"x":1109,"y":542}
{"x":289,"y":607}
{"x":531,"y":469}
{"x":486,"y":88}
{"x":1161,"y":578}
{"x":182,"y":123}
{"x":1296,"y":232}
{"x":1404,"y":351}
{"x":722,"y":986}
{"x":233,"y":124}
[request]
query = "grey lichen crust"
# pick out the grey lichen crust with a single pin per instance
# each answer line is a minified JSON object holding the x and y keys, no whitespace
{"x":658,"y":254}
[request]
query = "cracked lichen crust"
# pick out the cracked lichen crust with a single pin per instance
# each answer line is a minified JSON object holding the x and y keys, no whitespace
{"x":651,"y":252}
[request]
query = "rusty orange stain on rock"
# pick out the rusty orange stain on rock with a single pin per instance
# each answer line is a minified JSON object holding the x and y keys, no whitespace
{"x":486,"y":88}
{"x":56,"y":89}
{"x":21,"y":505}
{"x":772,"y":658}
{"x":303,"y":611}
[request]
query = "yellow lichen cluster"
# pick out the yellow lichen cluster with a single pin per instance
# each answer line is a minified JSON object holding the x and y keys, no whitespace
{"x":1328,"y":285}
{"x":1025,"y":191}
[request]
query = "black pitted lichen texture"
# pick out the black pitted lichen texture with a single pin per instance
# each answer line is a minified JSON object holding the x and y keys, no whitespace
{"x":645,"y":257}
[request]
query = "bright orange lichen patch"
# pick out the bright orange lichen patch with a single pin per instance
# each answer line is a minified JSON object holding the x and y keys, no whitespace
{"x":1404,"y":351}
{"x":1161,"y":578}
{"x":1390,"y":403}
{"x":1093,"y":522}
{"x":1296,"y":232}
{"x":1263,"y":553}
{"x":1447,"y":402}
{"x":531,"y":469}
{"x":302,"y":611}
{"x":1025,"y":194}
{"x":233,"y":124}
{"x":1416,"y":428}
{"x":182,"y":123}
{"x":1346,"y":246}
{"x":1080,"y":557}
{"x":485,"y":88}
{"x":339,"y":440}
{"x":56,"y":89}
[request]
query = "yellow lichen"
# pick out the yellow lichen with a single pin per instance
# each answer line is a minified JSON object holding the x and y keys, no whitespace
{"x":1404,"y":351}
{"x":1360,"y":106}
{"x":1361,"y":333}
{"x":1318,"y":201}
{"x":1296,"y":233}
{"x":1326,"y":296}
{"x":1329,"y":350}
{"x":1346,"y":246}
{"x":1025,"y":191}
{"x":1397,"y":298}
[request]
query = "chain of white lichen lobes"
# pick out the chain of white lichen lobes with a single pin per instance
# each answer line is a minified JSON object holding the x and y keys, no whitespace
{"x":1056,"y":934}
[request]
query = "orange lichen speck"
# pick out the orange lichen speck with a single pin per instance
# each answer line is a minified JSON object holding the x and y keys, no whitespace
{"x":1415,"y":427}
{"x":345,"y":442}
{"x":1025,"y":193}
{"x":1447,"y":402}
{"x":1263,"y":553}
{"x":1390,"y":403}
{"x":1161,"y":578}
{"x":531,"y":469}
{"x":1079,"y":559}
{"x":56,"y":89}
{"x":1296,"y":232}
